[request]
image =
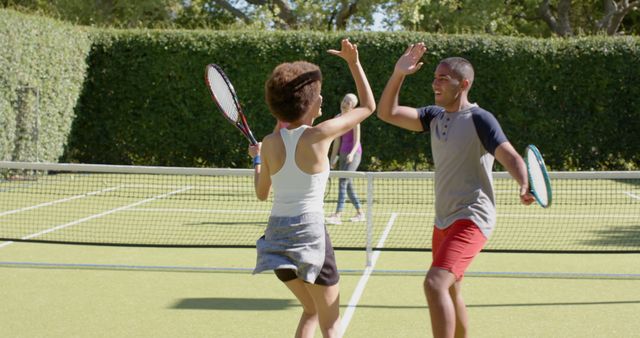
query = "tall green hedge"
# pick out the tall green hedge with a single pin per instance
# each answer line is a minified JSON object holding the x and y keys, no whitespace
{"x":145,"y":102}
{"x":143,"y":99}
{"x":42,"y":69}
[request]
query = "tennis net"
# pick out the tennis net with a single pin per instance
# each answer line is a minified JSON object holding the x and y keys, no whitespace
{"x":199,"y":207}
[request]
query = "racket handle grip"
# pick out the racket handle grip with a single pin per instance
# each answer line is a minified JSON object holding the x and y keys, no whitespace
{"x":252,"y":139}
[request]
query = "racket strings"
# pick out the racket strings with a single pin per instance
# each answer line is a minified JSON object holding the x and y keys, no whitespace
{"x":537,"y":179}
{"x":223,"y":93}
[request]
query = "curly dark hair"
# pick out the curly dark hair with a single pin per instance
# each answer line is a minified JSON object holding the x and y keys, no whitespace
{"x":292,"y":88}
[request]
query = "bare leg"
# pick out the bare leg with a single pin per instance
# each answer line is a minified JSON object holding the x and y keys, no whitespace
{"x":441,"y":306}
{"x":309,"y":318}
{"x":462,"y":320}
{"x":327,"y":300}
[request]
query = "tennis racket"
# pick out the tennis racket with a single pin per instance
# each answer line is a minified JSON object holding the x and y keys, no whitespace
{"x":539,"y":182}
{"x":225,"y":97}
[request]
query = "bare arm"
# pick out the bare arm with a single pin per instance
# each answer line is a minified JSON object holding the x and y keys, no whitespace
{"x":388,"y":109}
{"x":333,"y":159}
{"x":262,"y":177}
{"x":335,"y":127}
{"x":511,"y":160}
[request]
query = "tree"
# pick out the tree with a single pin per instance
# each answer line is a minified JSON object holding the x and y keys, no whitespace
{"x":316,"y":15}
{"x":614,"y":14}
{"x":498,"y":17}
{"x":217,"y":14}
{"x":559,"y":17}
{"x":538,"y":18}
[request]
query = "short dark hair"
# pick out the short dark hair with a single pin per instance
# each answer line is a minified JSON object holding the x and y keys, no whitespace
{"x":292,"y":88}
{"x":460,"y":67}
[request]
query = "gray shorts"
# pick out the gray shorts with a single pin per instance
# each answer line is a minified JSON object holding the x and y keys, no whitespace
{"x":300,"y":243}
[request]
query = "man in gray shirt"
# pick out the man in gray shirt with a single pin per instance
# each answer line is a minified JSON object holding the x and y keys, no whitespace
{"x":465,"y":139}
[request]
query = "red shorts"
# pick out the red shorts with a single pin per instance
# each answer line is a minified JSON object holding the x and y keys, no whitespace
{"x":454,"y":248}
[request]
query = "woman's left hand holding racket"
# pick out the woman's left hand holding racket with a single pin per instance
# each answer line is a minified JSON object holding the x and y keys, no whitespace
{"x":254,"y":152}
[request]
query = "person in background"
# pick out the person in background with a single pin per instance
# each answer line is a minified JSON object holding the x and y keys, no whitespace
{"x":347,"y":152}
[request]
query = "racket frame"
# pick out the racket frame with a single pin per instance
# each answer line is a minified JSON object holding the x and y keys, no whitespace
{"x":241,"y":123}
{"x":547,"y":181}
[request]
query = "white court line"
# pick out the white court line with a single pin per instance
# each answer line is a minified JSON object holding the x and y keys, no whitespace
{"x":46,"y":204}
{"x":204,"y":211}
{"x":62,"y":226}
{"x":201,"y":187}
{"x":418,"y":214}
{"x":183,"y":268}
{"x":584,"y":216}
{"x":632,"y":195}
{"x":523,"y":215}
{"x":355,"y":298}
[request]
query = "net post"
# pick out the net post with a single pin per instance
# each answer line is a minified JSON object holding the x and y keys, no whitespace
{"x":369,"y":218}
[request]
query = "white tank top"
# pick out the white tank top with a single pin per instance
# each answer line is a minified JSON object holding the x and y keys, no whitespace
{"x":294,"y":191}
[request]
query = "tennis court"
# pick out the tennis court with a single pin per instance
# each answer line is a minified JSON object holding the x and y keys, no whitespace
{"x":160,"y":292}
{"x":195,"y":280}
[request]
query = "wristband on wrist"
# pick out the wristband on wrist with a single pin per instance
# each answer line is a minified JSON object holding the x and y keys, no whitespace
{"x":256,"y":161}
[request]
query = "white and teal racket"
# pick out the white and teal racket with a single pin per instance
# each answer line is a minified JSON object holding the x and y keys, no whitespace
{"x":539,"y":182}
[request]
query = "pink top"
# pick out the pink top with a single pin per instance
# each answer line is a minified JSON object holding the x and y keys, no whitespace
{"x":346,"y":143}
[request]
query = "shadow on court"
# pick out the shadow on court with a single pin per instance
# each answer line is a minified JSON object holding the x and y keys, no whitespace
{"x":250,"y":304}
{"x":234,"y":304}
{"x":624,"y":237}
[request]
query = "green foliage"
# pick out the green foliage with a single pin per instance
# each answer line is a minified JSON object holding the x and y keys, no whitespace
{"x":497,"y":17}
{"x":573,"y":98}
{"x":193,"y":14}
{"x":142,"y":99}
{"x":145,"y":102}
{"x":503,"y":17}
{"x":42,"y":67}
{"x":113,"y":13}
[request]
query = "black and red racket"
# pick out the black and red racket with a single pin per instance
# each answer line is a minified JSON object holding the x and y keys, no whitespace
{"x":225,"y":97}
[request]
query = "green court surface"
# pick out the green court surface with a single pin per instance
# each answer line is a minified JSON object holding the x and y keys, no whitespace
{"x":53,"y":290}
{"x":88,"y":291}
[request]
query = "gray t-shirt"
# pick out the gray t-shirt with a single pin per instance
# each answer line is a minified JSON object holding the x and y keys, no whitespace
{"x":463,"y":144}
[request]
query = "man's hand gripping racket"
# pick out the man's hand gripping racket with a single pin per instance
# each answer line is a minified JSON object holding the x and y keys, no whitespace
{"x":539,"y":182}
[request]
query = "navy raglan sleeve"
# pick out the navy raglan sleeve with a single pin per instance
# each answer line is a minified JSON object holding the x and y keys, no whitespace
{"x":427,"y":114}
{"x":488,"y":129}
